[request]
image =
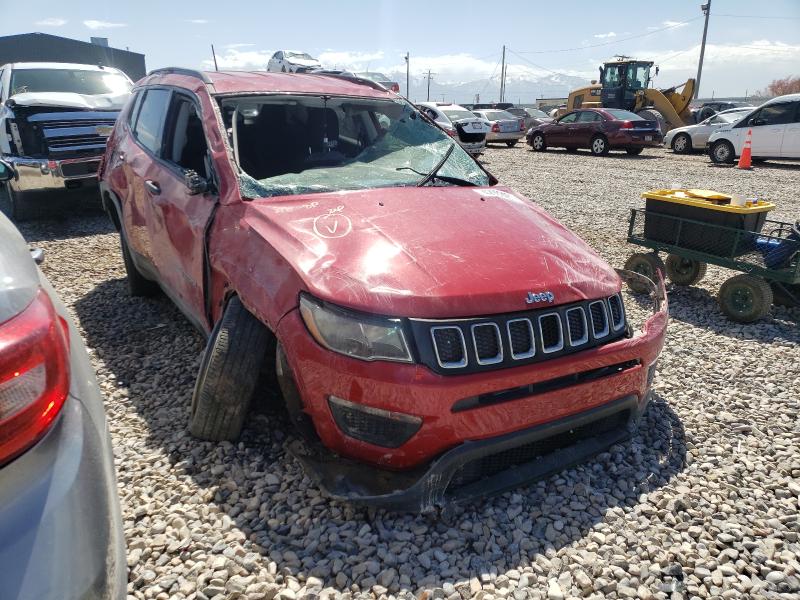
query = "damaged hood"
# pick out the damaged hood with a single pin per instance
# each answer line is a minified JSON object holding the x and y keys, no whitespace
{"x":71,"y":100}
{"x":430,"y":252}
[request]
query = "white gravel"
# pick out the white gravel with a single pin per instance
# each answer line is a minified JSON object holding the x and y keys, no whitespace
{"x":702,"y":503}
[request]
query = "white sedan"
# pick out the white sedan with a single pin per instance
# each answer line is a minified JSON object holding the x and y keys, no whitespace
{"x":505,"y":127}
{"x":683,"y":140}
{"x":292,"y":61}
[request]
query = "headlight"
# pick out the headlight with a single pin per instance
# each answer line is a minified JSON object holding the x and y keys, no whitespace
{"x":360,"y":336}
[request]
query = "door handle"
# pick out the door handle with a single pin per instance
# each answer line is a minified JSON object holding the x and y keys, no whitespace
{"x":152,"y":187}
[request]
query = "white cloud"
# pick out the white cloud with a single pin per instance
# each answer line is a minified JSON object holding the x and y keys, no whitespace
{"x":198,"y":21}
{"x":355,"y":61}
{"x":237,"y":60}
{"x":93,"y":24}
{"x":675,"y":24}
{"x":603,"y":36}
{"x":238,"y":45}
{"x":52,"y":22}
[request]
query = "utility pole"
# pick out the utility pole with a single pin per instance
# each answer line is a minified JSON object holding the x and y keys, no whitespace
{"x":706,"y":8}
{"x":214,"y":54}
{"x":429,"y":76}
{"x":503,"y":74}
{"x":408,"y":78}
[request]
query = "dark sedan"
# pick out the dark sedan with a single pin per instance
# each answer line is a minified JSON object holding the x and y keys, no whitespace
{"x":599,"y":129}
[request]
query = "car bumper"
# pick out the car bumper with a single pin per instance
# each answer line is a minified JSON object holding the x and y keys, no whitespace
{"x":475,"y":148}
{"x":34,"y":175}
{"x":504,"y":137}
{"x":635,"y":140}
{"x":627,"y":366}
{"x":61,"y":531}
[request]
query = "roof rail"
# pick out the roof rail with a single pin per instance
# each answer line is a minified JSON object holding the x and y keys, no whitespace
{"x":182,"y":71}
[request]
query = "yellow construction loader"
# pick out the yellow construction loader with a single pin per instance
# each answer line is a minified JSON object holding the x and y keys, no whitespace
{"x":624,"y":83}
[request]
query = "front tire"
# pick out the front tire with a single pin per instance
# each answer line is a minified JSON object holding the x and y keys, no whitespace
{"x":682,"y":144}
{"x":232,"y":364}
{"x":538,"y":142}
{"x":722,"y":152}
{"x":634,"y":151}
{"x":745,"y":298}
{"x":599,"y":145}
{"x":684,"y":271}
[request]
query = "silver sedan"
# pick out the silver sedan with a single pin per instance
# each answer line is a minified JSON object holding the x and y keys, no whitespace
{"x":687,"y":139}
{"x":505,"y":127}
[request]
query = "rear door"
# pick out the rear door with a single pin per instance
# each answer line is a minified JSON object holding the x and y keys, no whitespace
{"x":587,"y":125}
{"x":769,"y":125}
{"x":790,"y":148}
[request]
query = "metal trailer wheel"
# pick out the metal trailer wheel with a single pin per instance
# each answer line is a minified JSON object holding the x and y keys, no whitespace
{"x":645,"y":264}
{"x":684,"y":271}
{"x":745,"y":298}
{"x":682,"y":144}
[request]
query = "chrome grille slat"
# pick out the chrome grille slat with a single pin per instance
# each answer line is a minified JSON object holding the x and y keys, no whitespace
{"x":577,"y":338}
{"x":599,"y":317}
{"x":488,"y":360}
{"x":544,"y":321}
{"x":531,"y":350}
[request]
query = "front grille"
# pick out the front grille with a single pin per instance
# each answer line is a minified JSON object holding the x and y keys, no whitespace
{"x":488,"y":346}
{"x":498,"y":341}
{"x":450,"y":348}
{"x":494,"y":464}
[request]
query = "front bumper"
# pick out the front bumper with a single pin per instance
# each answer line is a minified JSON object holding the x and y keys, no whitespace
{"x":541,"y":395}
{"x":41,"y":175}
{"x":467,"y":472}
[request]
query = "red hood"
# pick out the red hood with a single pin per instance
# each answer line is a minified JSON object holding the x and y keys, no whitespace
{"x":430,"y":252}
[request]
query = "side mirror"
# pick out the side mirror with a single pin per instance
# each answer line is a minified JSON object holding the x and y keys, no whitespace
{"x":757,"y":121}
{"x":6,"y":171}
{"x":195,"y":183}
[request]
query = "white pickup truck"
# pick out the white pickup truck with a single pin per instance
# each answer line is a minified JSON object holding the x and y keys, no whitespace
{"x":55,"y":119}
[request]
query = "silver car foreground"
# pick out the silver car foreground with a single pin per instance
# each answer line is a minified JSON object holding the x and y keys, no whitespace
{"x":60,"y":525}
{"x":687,"y":139}
{"x":505,"y":127}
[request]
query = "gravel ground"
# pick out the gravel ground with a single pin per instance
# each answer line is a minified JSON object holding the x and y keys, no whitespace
{"x":702,"y":502}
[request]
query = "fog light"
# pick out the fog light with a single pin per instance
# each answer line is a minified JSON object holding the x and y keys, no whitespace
{"x":373,"y":425}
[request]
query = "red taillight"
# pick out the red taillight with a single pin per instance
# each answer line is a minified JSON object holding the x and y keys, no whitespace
{"x":626,"y":125}
{"x":522,"y":124}
{"x":452,"y":132}
{"x":34,"y":375}
{"x":495,"y":127}
{"x":395,"y":88}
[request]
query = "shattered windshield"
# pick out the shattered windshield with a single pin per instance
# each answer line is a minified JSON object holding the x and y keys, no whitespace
{"x":77,"y":81}
{"x":287,"y":145}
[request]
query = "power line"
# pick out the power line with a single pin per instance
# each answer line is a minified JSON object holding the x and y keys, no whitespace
{"x":755,"y":17}
{"x":619,"y":41}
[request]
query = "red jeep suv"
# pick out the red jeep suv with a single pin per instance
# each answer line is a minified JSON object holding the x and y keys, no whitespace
{"x":435,"y":336}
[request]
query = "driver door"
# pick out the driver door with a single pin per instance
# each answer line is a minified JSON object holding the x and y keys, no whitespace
{"x":559,"y":133}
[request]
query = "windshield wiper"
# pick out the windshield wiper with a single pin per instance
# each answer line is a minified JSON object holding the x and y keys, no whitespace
{"x":438,"y":166}
{"x":433,"y":175}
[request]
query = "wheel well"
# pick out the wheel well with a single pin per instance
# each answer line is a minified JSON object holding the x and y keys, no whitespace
{"x":112,"y":210}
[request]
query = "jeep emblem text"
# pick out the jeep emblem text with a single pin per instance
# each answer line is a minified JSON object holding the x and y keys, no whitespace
{"x":541,"y":297}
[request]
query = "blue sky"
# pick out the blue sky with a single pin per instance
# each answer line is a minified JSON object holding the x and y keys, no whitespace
{"x":460,"y":42}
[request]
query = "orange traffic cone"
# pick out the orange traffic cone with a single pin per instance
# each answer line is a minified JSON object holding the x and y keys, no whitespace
{"x":745,"y":160}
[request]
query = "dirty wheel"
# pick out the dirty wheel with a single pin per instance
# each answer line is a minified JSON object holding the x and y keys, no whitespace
{"x":722,"y":152}
{"x":231,"y":366}
{"x":684,"y":271}
{"x":511,"y":143}
{"x":645,"y":264}
{"x":745,"y":298}
{"x":138,"y":284}
{"x":682,"y":144}
{"x":538,"y":142}
{"x":634,"y":151}
{"x":599,"y":145}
